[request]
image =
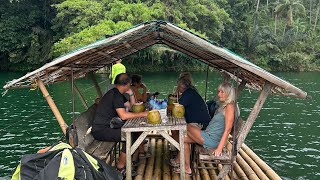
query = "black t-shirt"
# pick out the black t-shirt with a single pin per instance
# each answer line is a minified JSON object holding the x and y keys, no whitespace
{"x":106,"y":109}
{"x":196,"y":110}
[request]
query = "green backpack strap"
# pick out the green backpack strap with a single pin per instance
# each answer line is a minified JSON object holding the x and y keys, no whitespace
{"x":67,"y":169}
{"x":16,"y":174}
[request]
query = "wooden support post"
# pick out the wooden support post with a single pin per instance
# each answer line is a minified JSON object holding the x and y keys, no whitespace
{"x":53,"y":106}
{"x":241,"y":86}
{"x":254,"y":113}
{"x":80,"y":95}
{"x":128,"y":157}
{"x":182,"y":165}
{"x":96,"y":85}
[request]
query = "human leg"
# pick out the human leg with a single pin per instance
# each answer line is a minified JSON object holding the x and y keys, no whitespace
{"x":193,"y":135}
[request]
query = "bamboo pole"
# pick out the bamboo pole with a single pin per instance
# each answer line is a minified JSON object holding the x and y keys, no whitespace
{"x":150,"y":163}
{"x":80,"y":96}
{"x":165,"y":165}
{"x":253,"y":165}
{"x":53,"y":106}
{"x":203,"y":172}
{"x":247,"y":169}
{"x":96,"y":85}
{"x":268,"y":171}
{"x":220,"y":168}
{"x":240,"y":173}
{"x":157,"y":170}
{"x":212,"y":172}
{"x":140,"y":169}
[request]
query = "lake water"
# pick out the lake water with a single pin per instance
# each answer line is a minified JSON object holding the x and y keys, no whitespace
{"x":285,"y":135}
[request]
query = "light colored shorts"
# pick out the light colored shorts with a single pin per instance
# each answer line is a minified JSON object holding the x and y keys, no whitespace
{"x":200,"y":126}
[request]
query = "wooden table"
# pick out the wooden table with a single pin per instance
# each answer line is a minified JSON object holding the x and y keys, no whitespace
{"x":140,"y":125}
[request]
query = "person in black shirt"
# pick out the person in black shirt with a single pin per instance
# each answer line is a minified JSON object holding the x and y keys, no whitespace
{"x":113,"y":104}
{"x":196,"y":110}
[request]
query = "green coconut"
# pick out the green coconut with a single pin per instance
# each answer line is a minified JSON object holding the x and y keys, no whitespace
{"x":172,"y":99}
{"x":154,"y":117}
{"x":138,"y":107}
{"x":178,"y":110}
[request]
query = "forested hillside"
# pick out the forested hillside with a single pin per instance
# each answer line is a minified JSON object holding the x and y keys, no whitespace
{"x":279,"y":35}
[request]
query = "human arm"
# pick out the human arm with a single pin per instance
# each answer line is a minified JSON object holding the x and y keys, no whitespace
{"x":229,"y":118}
{"x":124,"y":115}
{"x":132,"y":99}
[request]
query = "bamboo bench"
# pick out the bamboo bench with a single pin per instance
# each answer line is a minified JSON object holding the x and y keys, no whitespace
{"x":204,"y":155}
{"x":100,"y":149}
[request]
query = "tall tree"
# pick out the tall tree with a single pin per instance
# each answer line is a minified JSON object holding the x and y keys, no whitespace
{"x":25,"y":36}
{"x":317,"y":14}
{"x":287,"y":8}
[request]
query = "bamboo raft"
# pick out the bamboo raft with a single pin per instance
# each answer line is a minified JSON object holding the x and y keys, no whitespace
{"x":247,"y":165}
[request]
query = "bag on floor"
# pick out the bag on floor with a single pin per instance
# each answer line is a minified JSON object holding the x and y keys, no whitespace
{"x":64,"y":162}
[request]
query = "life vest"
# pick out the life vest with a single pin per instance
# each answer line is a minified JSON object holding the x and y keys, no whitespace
{"x":65,"y":163}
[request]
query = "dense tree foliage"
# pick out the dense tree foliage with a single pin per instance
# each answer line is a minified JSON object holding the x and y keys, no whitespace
{"x":281,"y":35}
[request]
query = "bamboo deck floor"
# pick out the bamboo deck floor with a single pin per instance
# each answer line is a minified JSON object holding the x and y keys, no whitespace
{"x":247,"y":166}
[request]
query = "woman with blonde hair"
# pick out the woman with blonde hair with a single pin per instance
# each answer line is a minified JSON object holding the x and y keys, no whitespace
{"x":217,"y":132}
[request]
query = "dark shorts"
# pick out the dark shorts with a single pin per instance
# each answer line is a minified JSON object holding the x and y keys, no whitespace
{"x":112,"y":135}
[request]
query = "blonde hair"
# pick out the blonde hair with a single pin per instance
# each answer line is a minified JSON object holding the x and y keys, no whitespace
{"x":227,"y":88}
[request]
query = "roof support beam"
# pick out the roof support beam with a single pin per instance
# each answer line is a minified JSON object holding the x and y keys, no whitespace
{"x":53,"y":106}
{"x":96,"y":85}
{"x":254,"y":112}
{"x":80,"y":95}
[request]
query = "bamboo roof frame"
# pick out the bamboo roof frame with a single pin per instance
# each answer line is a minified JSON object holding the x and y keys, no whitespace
{"x":103,"y":52}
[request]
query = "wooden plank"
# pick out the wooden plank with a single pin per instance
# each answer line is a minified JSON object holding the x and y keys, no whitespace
{"x":206,"y":154}
{"x":104,"y":149}
{"x":93,"y":146}
{"x":136,"y":144}
{"x":182,"y":165}
{"x":170,"y":139}
{"x":128,"y":156}
{"x":254,"y":113}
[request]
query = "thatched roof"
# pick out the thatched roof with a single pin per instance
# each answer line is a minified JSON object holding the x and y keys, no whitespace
{"x":101,"y":53}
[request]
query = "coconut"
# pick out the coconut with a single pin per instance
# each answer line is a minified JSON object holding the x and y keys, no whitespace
{"x":172,"y":99}
{"x":154,"y":117}
{"x":138,"y":107}
{"x":178,"y":110}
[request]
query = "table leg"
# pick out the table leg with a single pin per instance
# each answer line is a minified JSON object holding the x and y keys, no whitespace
{"x":128,"y":156}
{"x":182,"y":165}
